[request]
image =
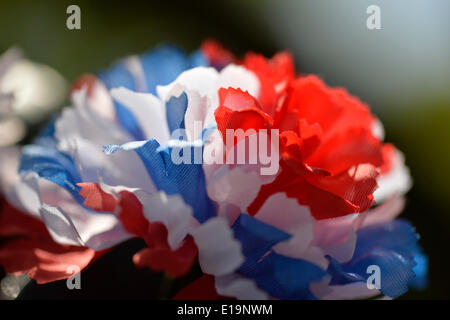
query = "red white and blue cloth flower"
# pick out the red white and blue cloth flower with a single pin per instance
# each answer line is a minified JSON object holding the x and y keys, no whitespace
{"x":102,"y":173}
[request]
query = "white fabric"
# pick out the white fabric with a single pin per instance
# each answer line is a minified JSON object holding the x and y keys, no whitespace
{"x":396,"y":181}
{"x":148,"y":111}
{"x":240,"y":287}
{"x":173,"y":212}
{"x":219,"y":253}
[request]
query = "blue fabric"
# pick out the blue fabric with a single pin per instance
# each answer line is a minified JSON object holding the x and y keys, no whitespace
{"x":420,"y":282}
{"x":128,"y":121}
{"x":176,"y":109}
{"x":256,"y":237}
{"x":391,"y":246}
{"x":52,"y":165}
{"x":161,"y":66}
{"x":295,"y":276}
{"x":188,"y":180}
{"x":198,"y":59}
{"x":282,"y":277}
{"x":46,"y":136}
{"x":120,"y":76}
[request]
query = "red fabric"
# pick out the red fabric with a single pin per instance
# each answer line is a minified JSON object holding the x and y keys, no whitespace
{"x":87,"y":80}
{"x":274,"y":76}
{"x":239,"y":110}
{"x":388,"y":157}
{"x":201,"y":289}
{"x":330,"y":158}
{"x":95,"y":198}
{"x":158,"y":256}
{"x":131,"y":215}
{"x":217,"y":54}
{"x":27,"y":247}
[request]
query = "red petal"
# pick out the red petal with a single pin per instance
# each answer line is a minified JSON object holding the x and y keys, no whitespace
{"x":239,"y":110}
{"x":95,"y":198}
{"x":347,"y":149}
{"x":355,"y":114}
{"x":327,"y":196}
{"x":27,"y":247}
{"x":217,"y":54}
{"x":160,"y":257}
{"x":274,"y":76}
{"x":313,"y":101}
{"x":311,"y":137}
{"x":87,"y":80}
{"x":388,"y":150}
{"x":355,"y":185}
{"x":131,"y":215}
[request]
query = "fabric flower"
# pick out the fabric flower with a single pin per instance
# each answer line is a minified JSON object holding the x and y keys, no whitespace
{"x":145,"y":151}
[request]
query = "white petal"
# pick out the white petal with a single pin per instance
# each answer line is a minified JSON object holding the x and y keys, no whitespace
{"x":239,"y":77}
{"x":95,"y":229}
{"x":81,"y":121}
{"x":378,"y":129}
{"x":396,"y":181}
{"x":234,"y":186}
{"x":173,"y":212}
{"x":24,"y":195}
{"x":343,"y":252}
{"x":60,"y":226}
{"x":121,"y":168}
{"x":352,"y":291}
{"x":219,"y":253}
{"x":134,"y":65}
{"x":337,"y":236}
{"x":9,"y":164}
{"x":386,"y":211}
{"x":290,"y":218}
{"x":242,"y":288}
{"x":148,"y":111}
{"x":195,"y":118}
{"x":101,"y":102}
{"x":204,"y":80}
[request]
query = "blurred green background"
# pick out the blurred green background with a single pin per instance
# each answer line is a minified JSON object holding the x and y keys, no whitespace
{"x":402,"y":71}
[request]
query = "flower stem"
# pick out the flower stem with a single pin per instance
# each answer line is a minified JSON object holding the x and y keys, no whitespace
{"x":165,"y":286}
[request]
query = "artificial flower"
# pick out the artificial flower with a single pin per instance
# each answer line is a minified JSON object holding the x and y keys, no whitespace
{"x":144,"y":151}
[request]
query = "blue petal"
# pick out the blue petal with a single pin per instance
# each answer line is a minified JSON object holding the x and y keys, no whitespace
{"x":160,"y":66}
{"x":420,"y":282}
{"x":46,"y":137}
{"x":128,"y":121}
{"x":282,"y":277}
{"x":198,"y":59}
{"x":163,"y":65}
{"x":52,"y":165}
{"x":392,"y":247}
{"x":186,"y":179}
{"x":295,"y":275}
{"x":256,"y":237}
{"x":120,"y":76}
{"x":176,"y":109}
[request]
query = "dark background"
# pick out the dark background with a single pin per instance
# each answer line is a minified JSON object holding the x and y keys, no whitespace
{"x":402,"y":71}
